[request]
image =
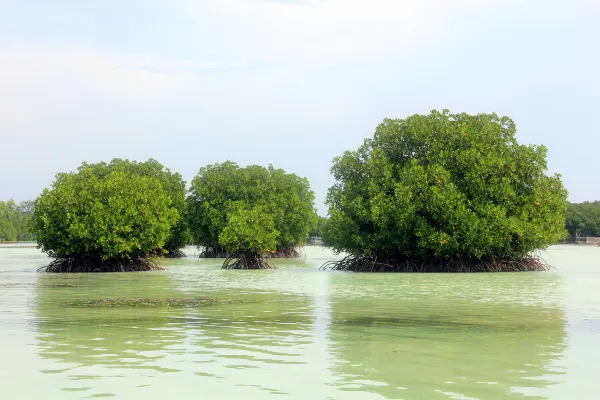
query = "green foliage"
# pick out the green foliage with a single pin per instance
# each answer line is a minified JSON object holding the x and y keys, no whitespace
{"x":14,"y":221}
{"x":318,"y":229}
{"x":8,"y":233}
{"x":103,"y":211}
{"x":171,"y":182}
{"x":250,"y":230}
{"x":583,"y":219}
{"x":222,"y":193}
{"x":445,"y":187}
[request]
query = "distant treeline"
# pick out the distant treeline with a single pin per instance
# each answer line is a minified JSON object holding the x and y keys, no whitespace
{"x":583,"y":219}
{"x":14,"y":220}
{"x":320,"y":229}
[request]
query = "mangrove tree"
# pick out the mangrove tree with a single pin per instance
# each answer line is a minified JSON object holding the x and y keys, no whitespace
{"x":444,"y":193}
{"x":247,"y":213}
{"x":104,"y":217}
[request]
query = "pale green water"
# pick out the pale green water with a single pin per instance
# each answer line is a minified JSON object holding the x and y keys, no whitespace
{"x":196,"y":332}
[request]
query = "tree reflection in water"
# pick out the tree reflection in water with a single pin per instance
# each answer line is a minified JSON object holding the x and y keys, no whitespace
{"x":440,"y":336}
{"x":98,"y":329}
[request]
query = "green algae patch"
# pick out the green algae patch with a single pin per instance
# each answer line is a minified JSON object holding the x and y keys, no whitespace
{"x":150,"y":302}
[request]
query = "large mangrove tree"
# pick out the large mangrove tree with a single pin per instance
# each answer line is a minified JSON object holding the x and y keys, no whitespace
{"x":104,"y":217}
{"x":245,"y":213}
{"x":444,"y":192}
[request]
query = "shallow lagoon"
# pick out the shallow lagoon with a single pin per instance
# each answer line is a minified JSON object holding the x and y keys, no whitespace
{"x":195,"y":331}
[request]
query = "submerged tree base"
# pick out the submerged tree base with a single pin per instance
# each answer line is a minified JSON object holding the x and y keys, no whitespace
{"x":372,"y":264}
{"x":214,"y":252}
{"x":70,"y":265}
{"x":247,"y":261}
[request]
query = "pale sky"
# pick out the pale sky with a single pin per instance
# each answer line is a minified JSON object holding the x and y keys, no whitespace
{"x":292,"y":83}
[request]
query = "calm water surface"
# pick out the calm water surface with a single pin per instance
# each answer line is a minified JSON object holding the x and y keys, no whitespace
{"x":194,"y":331}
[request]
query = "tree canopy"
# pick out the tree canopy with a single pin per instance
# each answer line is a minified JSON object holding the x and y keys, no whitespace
{"x":14,"y":219}
{"x":172,"y":183}
{"x":104,"y":217}
{"x":583,"y":219}
{"x":249,"y":233}
{"x":251,"y":209}
{"x":444,"y":192}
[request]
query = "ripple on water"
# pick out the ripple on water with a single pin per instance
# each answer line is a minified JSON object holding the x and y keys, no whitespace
{"x":299,"y":332}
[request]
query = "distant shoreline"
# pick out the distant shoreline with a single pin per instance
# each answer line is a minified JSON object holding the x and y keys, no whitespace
{"x":19,"y":245}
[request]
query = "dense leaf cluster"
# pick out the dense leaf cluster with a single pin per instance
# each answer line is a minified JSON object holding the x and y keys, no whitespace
{"x":105,"y":212}
{"x":583,"y":219}
{"x":442,"y":187}
{"x":173,"y":184}
{"x":14,"y":220}
{"x":250,"y":230}
{"x":250,"y":209}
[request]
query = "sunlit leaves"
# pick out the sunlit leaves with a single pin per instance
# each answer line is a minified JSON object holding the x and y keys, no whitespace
{"x":223,"y":195}
{"x":248,"y":230}
{"x":102,"y":212}
{"x":171,"y":182}
{"x":445,"y":186}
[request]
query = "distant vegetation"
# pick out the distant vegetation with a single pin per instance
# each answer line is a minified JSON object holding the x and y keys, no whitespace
{"x":444,"y":192}
{"x":247,"y":213}
{"x":13,"y":221}
{"x":320,"y":229}
{"x":106,"y":217}
{"x":583,"y":219}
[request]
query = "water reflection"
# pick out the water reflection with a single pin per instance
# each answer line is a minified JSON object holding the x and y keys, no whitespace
{"x":300,"y":333}
{"x":440,"y":336}
{"x":263,"y":344}
{"x":127,"y":333}
{"x":85,"y":322}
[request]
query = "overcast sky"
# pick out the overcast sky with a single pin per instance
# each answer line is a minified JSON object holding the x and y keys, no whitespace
{"x":292,"y":83}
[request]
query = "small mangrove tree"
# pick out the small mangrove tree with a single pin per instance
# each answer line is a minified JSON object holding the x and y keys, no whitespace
{"x":103,"y":218}
{"x":444,"y":193}
{"x":249,"y":213}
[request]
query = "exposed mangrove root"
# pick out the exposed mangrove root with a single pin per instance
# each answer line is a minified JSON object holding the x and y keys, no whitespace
{"x":285,"y":252}
{"x":372,"y":264}
{"x":67,"y":265}
{"x":213,"y":252}
{"x":247,"y":261}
